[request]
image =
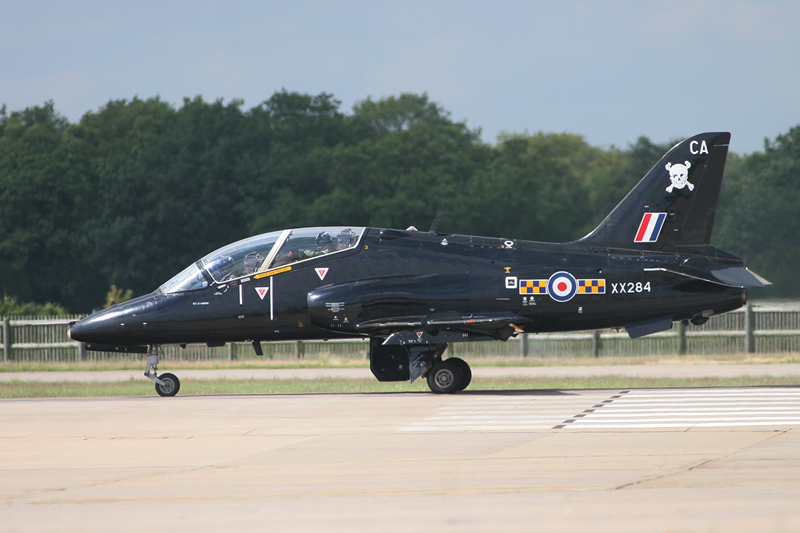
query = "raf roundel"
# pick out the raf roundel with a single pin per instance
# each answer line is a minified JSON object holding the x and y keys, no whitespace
{"x":562,"y":286}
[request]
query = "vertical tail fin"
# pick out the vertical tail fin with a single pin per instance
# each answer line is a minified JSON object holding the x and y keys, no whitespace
{"x":674,"y":203}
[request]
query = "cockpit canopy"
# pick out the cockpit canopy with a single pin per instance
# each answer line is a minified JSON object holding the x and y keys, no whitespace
{"x":263,"y":253}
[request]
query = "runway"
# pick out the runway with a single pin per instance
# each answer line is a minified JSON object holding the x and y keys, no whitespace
{"x":705,"y":459}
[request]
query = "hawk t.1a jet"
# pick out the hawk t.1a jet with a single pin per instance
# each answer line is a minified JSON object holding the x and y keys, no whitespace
{"x":412,"y":293}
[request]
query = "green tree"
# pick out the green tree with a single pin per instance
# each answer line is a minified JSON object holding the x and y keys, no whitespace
{"x":117,"y":296}
{"x":404,"y":165}
{"x":280,"y":175}
{"x":619,"y":172}
{"x":537,"y":188}
{"x":9,"y":306}
{"x":138,"y":189}
{"x":758,"y":220}
{"x":170,"y":187}
{"x":46,"y":192}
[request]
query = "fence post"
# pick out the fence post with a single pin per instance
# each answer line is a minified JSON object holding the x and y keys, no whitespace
{"x":7,"y":339}
{"x":681,"y":338}
{"x":596,"y":344}
{"x":81,"y":351}
{"x":299,"y":350}
{"x":750,"y":329}
{"x":523,"y":345}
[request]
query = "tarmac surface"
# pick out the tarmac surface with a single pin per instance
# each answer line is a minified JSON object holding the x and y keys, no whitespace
{"x":673,"y":459}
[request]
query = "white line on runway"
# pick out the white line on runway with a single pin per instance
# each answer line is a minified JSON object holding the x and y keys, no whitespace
{"x":641,"y":409}
{"x":516,"y":413}
{"x":634,"y":409}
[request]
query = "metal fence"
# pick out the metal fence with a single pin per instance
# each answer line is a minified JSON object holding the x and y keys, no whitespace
{"x":749,"y":330}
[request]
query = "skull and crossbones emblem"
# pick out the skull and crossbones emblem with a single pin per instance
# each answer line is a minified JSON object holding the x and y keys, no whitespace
{"x":679,"y":175}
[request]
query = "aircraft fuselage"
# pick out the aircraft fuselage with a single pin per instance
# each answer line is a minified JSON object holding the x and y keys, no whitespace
{"x":648,"y":264}
{"x":407,"y":273}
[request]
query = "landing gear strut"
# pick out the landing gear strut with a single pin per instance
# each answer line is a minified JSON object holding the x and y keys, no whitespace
{"x":167,"y":384}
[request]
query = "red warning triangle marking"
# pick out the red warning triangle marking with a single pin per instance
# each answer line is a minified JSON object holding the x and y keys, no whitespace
{"x":321,"y":272}
{"x":262,"y":291}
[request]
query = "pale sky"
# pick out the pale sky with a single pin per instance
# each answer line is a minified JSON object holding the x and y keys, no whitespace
{"x":608,"y":70}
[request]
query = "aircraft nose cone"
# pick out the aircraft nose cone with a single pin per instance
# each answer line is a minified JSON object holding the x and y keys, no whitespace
{"x":131,"y":322}
{"x":81,"y":328}
{"x":99,"y":327}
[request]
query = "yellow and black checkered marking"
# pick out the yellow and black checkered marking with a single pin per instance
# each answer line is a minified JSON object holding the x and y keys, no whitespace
{"x":591,"y":286}
{"x":533,"y":286}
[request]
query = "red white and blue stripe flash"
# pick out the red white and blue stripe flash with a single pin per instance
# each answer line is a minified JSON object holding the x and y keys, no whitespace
{"x":650,"y":227}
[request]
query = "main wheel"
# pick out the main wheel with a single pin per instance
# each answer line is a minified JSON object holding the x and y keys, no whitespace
{"x":171,"y":385}
{"x":445,"y":377}
{"x":466,"y":372}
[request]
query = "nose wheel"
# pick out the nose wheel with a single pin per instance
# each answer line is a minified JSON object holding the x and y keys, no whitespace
{"x":166,"y":384}
{"x":169,"y":386}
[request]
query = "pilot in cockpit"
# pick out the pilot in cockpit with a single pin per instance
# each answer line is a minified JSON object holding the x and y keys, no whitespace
{"x":346,"y":239}
{"x":324,"y":245}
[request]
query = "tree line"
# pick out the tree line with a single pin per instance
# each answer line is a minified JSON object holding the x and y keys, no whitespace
{"x":135,"y":191}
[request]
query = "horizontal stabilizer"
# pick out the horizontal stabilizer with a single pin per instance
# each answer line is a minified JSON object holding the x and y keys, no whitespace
{"x":729,"y":276}
{"x":740,"y":277}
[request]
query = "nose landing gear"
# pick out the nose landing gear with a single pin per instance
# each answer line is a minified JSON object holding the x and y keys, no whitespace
{"x":167,"y":384}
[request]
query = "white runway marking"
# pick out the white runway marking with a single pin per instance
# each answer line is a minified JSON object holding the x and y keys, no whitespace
{"x":635,"y":409}
{"x":508,"y":413}
{"x":707,"y":408}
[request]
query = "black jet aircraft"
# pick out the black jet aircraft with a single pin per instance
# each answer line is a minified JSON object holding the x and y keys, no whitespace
{"x":411,"y":293}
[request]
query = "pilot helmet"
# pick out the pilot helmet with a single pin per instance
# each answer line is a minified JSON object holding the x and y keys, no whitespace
{"x":345,"y":239}
{"x":251,"y":263}
{"x":324,"y":239}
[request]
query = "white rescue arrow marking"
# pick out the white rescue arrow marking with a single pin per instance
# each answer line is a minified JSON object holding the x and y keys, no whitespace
{"x":321,"y":272}
{"x":262,"y":291}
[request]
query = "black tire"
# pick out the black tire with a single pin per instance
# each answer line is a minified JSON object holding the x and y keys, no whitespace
{"x":171,"y":385}
{"x":445,"y":377}
{"x":466,"y":372}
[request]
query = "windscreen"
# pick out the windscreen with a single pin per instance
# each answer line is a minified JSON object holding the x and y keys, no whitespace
{"x":190,"y":279}
{"x":261,"y":253}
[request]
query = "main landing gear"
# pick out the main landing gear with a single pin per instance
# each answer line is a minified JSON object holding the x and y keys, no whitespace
{"x":166,"y":384}
{"x":449,"y":376}
{"x":398,"y":362}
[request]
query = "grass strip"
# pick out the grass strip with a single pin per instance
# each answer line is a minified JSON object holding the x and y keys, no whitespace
{"x":18,"y":389}
{"x":138,"y":363}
